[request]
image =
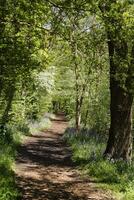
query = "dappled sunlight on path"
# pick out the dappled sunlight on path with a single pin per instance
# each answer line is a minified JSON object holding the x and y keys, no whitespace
{"x":44,"y":170}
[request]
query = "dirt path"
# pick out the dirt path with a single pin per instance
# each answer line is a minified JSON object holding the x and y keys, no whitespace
{"x":44,"y":170}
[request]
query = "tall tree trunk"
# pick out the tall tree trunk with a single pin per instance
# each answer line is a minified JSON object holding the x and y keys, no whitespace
{"x":119,"y":144}
{"x":3,"y":14}
{"x":86,"y":117}
{"x":1,"y":80}
{"x":79,"y":103}
{"x":73,"y":45}
{"x":120,"y":135}
{"x":78,"y":115}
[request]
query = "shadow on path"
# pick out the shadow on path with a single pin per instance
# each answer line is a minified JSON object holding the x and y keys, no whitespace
{"x":44,"y":170}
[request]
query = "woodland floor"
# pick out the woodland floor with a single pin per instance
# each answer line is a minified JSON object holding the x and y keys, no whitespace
{"x":44,"y":170}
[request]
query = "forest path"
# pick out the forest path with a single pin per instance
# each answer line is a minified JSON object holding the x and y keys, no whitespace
{"x":44,"y":170}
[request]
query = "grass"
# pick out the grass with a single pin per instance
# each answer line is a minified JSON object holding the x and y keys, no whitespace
{"x":8,"y":187}
{"x":88,"y":148}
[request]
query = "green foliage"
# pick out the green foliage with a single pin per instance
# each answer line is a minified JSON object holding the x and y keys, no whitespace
{"x":7,"y":186}
{"x":22,"y":58}
{"x":8,"y":189}
{"x":88,"y":148}
{"x":81,"y":68}
{"x":54,"y":57}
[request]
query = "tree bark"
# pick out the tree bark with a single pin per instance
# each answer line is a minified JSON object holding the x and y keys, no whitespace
{"x":78,"y":115}
{"x":11,"y":93}
{"x":86,"y":117}
{"x":3,"y":14}
{"x":119,"y":145}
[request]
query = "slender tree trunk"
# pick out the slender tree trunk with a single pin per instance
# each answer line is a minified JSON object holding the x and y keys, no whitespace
{"x":1,"y":80}
{"x":85,"y":119}
{"x":80,"y":89}
{"x":78,"y":115}
{"x":3,"y":14}
{"x":73,"y":45}
{"x":10,"y":94}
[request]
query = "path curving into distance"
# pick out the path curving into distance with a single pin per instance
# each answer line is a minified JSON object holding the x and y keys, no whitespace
{"x":44,"y":170}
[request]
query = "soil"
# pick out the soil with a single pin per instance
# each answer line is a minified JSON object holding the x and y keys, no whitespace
{"x":44,"y":169}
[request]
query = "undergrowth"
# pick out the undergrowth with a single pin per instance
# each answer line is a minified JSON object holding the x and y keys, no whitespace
{"x":88,"y":148}
{"x":11,"y":136}
{"x":42,"y":123}
{"x":8,"y":144}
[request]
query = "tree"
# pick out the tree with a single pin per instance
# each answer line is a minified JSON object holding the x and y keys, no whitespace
{"x":22,"y":39}
{"x":81,"y":31}
{"x":121,"y":57}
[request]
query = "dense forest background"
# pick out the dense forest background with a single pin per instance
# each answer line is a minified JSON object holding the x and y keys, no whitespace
{"x":75,"y":57}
